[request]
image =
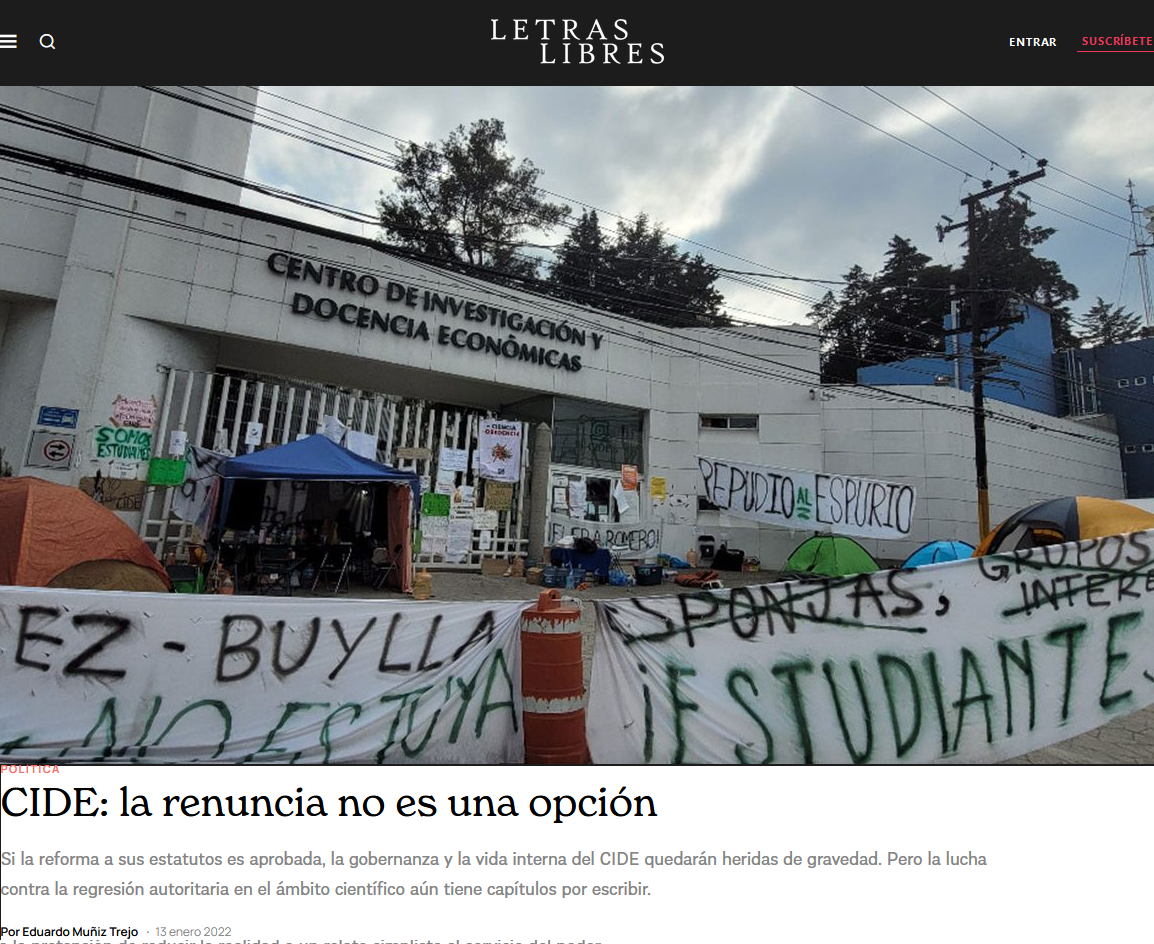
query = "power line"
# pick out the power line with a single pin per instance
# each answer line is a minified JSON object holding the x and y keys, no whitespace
{"x":793,"y":374}
{"x":994,"y":163}
{"x":81,"y":134}
{"x":724,"y":274}
{"x":1019,"y":148}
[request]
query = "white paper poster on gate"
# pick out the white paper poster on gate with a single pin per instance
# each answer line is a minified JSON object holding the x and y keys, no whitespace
{"x":630,"y":541}
{"x":155,"y":678}
{"x":970,"y":661}
{"x":499,"y":450}
{"x":822,"y":501}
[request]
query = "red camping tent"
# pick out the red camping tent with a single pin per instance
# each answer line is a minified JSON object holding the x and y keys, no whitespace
{"x":47,"y":530}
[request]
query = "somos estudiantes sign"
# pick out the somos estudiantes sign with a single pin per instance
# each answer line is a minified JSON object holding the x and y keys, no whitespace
{"x":122,"y":442}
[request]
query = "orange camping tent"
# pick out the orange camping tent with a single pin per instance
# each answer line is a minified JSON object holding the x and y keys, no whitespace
{"x":48,"y":529}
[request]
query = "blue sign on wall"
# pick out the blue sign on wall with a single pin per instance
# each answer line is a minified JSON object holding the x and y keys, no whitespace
{"x":58,"y":416}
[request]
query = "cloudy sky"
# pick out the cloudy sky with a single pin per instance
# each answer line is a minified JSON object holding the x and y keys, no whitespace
{"x":774,"y":180}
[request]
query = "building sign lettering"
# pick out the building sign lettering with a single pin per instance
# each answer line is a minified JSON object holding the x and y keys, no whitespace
{"x":518,"y":337}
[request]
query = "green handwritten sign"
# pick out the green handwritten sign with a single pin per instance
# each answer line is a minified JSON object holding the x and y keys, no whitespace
{"x":122,"y":442}
{"x":166,"y":471}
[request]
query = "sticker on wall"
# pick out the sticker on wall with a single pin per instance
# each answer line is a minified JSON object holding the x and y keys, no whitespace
{"x":657,"y":488}
{"x":253,"y":433}
{"x":177,"y":442}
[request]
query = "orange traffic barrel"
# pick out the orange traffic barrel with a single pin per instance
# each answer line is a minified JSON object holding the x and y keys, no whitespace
{"x":552,"y":687}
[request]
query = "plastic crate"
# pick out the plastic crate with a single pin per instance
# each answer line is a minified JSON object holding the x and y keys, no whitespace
{"x":648,"y":575}
{"x":557,"y":576}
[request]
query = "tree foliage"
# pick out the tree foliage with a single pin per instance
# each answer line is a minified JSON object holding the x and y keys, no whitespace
{"x":899,"y":312}
{"x":639,"y":273}
{"x":874,"y":319}
{"x":1108,"y":324}
{"x":1007,"y":263}
{"x":465,"y":203}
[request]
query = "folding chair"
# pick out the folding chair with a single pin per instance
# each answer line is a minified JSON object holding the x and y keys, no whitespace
{"x":274,"y":569}
{"x":384,"y":565}
{"x":334,"y":567}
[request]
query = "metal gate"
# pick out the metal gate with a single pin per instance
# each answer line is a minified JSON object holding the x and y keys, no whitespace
{"x":214,"y":410}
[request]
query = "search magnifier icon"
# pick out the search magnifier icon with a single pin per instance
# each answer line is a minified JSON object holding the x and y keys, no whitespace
{"x":47,"y":41}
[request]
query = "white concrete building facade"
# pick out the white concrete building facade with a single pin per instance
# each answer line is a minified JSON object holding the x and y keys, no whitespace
{"x":113,"y":296}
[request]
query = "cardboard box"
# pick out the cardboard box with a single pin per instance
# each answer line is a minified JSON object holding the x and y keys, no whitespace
{"x":494,"y":567}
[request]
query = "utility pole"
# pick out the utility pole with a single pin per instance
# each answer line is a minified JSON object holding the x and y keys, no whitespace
{"x":981,"y":364}
{"x":1140,"y":248}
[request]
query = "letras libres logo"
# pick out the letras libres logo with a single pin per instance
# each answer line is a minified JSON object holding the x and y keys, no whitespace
{"x":579,"y":42}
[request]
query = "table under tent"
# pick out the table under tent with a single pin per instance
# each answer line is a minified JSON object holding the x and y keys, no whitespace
{"x":312,"y":509}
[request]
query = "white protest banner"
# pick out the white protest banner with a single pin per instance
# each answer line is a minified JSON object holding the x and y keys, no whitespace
{"x":499,"y":448}
{"x":196,"y":499}
{"x":176,"y":678}
{"x":631,"y":541}
{"x":971,"y":661}
{"x":842,"y":504}
{"x":332,"y":428}
{"x":363,"y":444}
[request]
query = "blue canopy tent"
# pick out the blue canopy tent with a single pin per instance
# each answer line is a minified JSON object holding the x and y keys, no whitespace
{"x":319,"y":459}
{"x":938,"y":552}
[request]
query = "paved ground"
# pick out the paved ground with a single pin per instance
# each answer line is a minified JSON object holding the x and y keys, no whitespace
{"x":1128,"y":740}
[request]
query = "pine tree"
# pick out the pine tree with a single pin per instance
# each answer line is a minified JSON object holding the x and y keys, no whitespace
{"x":1108,"y":324}
{"x":580,"y":271}
{"x":913,"y":299}
{"x":1007,"y":263}
{"x":896,"y":314}
{"x":640,"y":274}
{"x":465,"y":203}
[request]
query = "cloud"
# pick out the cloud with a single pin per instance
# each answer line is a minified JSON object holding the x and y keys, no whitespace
{"x":766,"y":178}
